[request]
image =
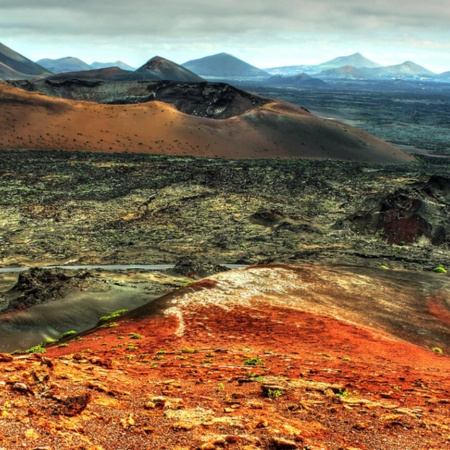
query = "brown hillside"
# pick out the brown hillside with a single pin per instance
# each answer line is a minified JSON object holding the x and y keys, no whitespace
{"x":33,"y":121}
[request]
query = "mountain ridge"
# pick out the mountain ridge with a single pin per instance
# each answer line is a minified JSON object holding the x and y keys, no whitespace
{"x":14,"y":65}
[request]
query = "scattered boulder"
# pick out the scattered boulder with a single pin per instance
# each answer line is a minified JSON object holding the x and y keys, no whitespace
{"x":37,"y":285}
{"x":407,"y":214}
{"x":196,"y":267}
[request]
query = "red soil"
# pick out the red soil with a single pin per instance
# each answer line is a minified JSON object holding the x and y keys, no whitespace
{"x":231,"y":364}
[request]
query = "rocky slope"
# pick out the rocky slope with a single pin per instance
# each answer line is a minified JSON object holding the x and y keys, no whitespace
{"x":295,"y":364}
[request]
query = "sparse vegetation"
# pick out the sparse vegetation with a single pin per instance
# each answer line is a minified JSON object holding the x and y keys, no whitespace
{"x":135,"y":336}
{"x":254,"y":362}
{"x":36,"y":349}
{"x":68,"y":334}
{"x":274,"y":394}
{"x":113,"y":315}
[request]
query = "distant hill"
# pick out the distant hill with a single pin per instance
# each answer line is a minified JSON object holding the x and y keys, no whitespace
{"x":346,"y":73}
{"x":406,"y":71}
{"x":15,"y":66}
{"x":357,"y":60}
{"x":300,"y":80}
{"x":168,"y":70}
{"x":444,"y":77}
{"x":67,"y":64}
{"x":106,"y":74}
{"x":105,"y":65}
{"x":225,"y":67}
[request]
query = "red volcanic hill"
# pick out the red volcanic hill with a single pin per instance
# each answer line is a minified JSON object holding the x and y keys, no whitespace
{"x":268,"y":357}
{"x":257,"y":128}
{"x":168,"y":70}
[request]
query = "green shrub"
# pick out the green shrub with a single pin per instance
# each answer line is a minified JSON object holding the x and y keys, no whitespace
{"x":113,"y":315}
{"x":68,"y":333}
{"x":36,"y":349}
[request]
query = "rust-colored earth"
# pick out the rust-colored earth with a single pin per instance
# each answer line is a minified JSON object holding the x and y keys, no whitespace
{"x":268,"y":357}
{"x":34,"y":121}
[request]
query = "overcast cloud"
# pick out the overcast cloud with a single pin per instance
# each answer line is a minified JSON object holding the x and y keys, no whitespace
{"x":263,"y":32}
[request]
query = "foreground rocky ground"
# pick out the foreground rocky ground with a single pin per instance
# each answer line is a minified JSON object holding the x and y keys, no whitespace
{"x":275,"y":357}
{"x":98,"y":208}
{"x":352,"y":355}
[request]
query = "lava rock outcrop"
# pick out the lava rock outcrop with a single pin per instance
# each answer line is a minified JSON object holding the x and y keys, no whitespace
{"x":410,"y":213}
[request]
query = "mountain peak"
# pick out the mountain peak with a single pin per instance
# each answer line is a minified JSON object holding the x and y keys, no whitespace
{"x":168,"y":70}
{"x":224,"y":66}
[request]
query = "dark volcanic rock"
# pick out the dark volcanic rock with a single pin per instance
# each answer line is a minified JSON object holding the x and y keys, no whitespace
{"x":213,"y":100}
{"x":405,"y":215}
{"x":41,"y":285}
{"x":197,"y":267}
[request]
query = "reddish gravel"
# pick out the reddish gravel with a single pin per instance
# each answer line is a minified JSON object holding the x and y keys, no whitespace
{"x":248,"y":359}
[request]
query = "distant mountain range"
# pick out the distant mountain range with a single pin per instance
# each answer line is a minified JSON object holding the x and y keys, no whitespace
{"x":71,"y":64}
{"x":357,"y":66}
{"x":221,"y":66}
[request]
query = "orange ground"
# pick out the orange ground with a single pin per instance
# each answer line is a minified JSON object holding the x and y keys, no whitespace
{"x":187,"y":373}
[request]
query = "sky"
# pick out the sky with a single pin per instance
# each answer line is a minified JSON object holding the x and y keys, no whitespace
{"x":265,"y":33}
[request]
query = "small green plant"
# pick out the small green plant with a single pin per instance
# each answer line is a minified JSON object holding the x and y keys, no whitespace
{"x":274,"y":393}
{"x":63,"y":345}
{"x":135,"y":336}
{"x":384,"y":267}
{"x":68,"y":333}
{"x":49,"y":341}
{"x":188,"y":350}
{"x":437,"y":350}
{"x":345,"y":358}
{"x":220,"y":387}
{"x":36,"y":349}
{"x":131,"y":348}
{"x":113,"y":315}
{"x":254,"y":362}
{"x":440,"y":269}
{"x":109,"y":325}
{"x":343,"y":393}
{"x":161,"y":352}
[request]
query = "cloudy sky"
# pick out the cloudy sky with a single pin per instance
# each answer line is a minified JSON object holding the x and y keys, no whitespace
{"x":265,"y":33}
